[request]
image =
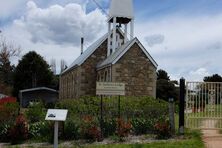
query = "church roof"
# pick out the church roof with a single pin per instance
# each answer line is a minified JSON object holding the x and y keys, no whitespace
{"x":89,"y":51}
{"x":81,"y":59}
{"x":112,"y":59}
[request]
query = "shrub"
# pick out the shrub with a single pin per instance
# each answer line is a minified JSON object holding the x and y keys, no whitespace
{"x":124,"y":128}
{"x":109,"y":127}
{"x":4,"y":132}
{"x":9,"y":111}
{"x":35,"y":130}
{"x":142,"y":113}
{"x":162,"y":130}
{"x":46,"y":131}
{"x":89,"y":128}
{"x":36,"y":112}
{"x":71,"y":130}
{"x":141,"y":126}
{"x":19,"y":132}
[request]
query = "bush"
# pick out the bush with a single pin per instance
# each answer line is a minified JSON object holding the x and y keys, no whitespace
{"x":19,"y":132}
{"x":71,"y":130}
{"x":46,"y":131}
{"x":34,"y":130}
{"x":162,"y":130}
{"x":142,"y":126}
{"x":4,"y":132}
{"x":141,"y":114}
{"x":109,"y":127}
{"x":90,"y":129}
{"x":124,"y":128}
{"x":9,"y":111}
{"x":36,"y":112}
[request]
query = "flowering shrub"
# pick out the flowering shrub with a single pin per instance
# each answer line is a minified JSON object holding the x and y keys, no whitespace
{"x":8,"y":109}
{"x":7,"y":100}
{"x":141,"y":114}
{"x":19,"y":131}
{"x":89,"y":128}
{"x":124,"y":128}
{"x":162,"y":129}
{"x":35,"y":128}
{"x":8,"y":112}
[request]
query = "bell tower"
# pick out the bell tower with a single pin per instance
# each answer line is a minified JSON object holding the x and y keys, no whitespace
{"x":120,"y":13}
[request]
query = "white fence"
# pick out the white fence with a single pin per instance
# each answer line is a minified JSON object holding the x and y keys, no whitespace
{"x":203,"y":105}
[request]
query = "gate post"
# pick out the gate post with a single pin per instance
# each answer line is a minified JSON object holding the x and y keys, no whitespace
{"x":171,"y":115}
{"x":181,"y":106}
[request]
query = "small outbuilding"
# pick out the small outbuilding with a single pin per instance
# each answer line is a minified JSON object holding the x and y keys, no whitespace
{"x":47,"y":95}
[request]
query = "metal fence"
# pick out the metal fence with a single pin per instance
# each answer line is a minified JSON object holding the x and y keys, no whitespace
{"x":203,"y":105}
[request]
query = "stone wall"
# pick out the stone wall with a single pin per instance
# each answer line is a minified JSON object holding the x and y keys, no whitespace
{"x":81,"y":81}
{"x":70,"y":84}
{"x":89,"y":73}
{"x":136,"y":70}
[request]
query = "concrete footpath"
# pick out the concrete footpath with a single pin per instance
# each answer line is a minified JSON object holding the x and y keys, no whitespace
{"x":212,"y":138}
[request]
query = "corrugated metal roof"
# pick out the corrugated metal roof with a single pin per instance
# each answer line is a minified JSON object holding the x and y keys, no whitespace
{"x":113,"y":56}
{"x":2,"y":96}
{"x":38,"y":88}
{"x":81,"y":59}
{"x":121,"y":51}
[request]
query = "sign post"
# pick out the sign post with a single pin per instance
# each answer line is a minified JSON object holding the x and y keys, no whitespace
{"x":56,"y":115}
{"x":109,"y":89}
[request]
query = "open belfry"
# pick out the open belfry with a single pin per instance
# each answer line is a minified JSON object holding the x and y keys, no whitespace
{"x":117,"y":56}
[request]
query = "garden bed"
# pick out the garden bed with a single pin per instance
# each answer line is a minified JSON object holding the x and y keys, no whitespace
{"x":190,"y":140}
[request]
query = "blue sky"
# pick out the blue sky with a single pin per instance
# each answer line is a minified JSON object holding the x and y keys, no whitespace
{"x":183,"y":36}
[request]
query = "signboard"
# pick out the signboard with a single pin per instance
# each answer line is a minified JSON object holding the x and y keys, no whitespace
{"x":56,"y":114}
{"x":110,"y":88}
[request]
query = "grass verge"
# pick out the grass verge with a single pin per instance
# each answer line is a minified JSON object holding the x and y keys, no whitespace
{"x":191,"y":140}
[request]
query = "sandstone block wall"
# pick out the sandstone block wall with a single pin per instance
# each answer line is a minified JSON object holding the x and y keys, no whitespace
{"x":136,"y":70}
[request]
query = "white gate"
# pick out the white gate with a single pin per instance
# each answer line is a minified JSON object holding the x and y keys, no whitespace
{"x":203,"y":105}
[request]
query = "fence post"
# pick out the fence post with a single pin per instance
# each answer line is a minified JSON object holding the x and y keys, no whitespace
{"x":181,"y":106}
{"x":101,"y":116}
{"x":171,"y":115}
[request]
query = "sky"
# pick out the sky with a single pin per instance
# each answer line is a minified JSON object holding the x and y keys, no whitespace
{"x":183,"y":36}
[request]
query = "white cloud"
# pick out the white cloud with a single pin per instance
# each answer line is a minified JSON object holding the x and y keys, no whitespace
{"x":61,"y":25}
{"x":55,"y":31}
{"x":189,"y":43}
{"x":198,"y":74}
{"x":10,"y":7}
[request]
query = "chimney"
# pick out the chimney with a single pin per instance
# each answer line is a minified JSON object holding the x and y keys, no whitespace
{"x":82,"y":42}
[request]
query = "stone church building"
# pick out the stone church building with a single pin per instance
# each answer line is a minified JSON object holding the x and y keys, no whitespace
{"x":117,"y":56}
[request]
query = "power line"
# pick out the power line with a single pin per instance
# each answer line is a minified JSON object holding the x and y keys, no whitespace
{"x":104,"y":11}
{"x":101,"y":8}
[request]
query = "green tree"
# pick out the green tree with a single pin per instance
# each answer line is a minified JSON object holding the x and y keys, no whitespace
{"x":32,"y":71}
{"x":217,"y":87}
{"x":213,"y":78}
{"x":162,"y":74}
{"x":165,"y":88}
